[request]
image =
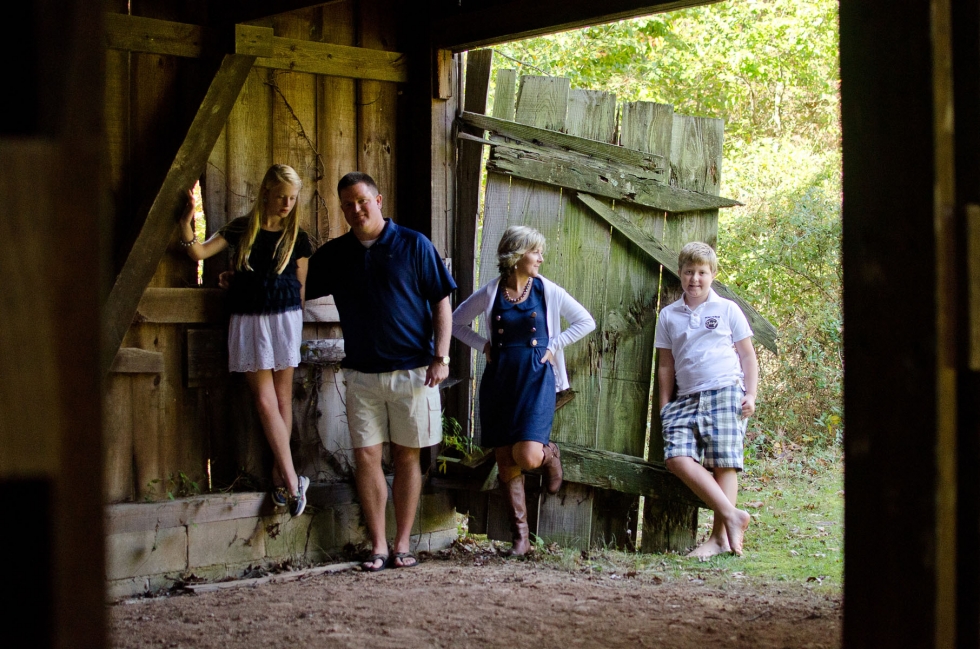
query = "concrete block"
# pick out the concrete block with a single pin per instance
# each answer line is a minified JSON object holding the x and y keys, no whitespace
{"x":134,"y":554}
{"x":435,"y":512}
{"x":224,"y":542}
{"x":137,"y":586}
{"x":434,"y":541}
{"x":310,"y":537}
{"x":350,"y":524}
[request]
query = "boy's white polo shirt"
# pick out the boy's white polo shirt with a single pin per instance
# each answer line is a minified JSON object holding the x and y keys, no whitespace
{"x":703,"y":342}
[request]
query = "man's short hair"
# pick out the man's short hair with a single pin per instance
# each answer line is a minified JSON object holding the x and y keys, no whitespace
{"x":698,"y":252}
{"x":355,"y":177}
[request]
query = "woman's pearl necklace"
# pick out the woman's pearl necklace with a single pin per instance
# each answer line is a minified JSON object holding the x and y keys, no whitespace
{"x":519,"y":298}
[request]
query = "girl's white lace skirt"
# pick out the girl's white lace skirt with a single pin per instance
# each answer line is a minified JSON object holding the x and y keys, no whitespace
{"x":265,"y":341}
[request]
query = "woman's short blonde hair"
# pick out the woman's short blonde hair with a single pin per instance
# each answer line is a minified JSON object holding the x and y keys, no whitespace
{"x":697,"y":253}
{"x":516,"y":242}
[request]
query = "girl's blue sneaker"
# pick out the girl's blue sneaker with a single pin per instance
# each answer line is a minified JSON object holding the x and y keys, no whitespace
{"x":280,"y":496}
{"x":299,"y":501}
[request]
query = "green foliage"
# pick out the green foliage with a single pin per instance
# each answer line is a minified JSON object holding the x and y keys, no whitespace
{"x":782,"y":251}
{"x":770,"y":69}
{"x":455,"y":442}
{"x":179,"y":485}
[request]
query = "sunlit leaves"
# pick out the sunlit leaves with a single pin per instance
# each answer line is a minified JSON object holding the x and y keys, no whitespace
{"x":768,"y":67}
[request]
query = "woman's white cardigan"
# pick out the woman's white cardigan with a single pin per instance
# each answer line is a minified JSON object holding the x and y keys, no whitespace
{"x":580,"y":322}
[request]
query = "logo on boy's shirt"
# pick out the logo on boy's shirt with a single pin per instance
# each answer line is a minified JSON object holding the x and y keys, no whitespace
{"x":711,"y":322}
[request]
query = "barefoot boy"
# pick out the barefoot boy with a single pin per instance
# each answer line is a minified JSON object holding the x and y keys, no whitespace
{"x":716,"y":388}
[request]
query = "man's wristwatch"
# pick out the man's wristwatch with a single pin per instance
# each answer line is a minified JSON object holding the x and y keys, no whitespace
{"x":442,"y":360}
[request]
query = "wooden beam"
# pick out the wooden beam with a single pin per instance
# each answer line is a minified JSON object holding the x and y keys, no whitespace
{"x":497,"y":22}
{"x":280,"y":578}
{"x":586,"y":174}
{"x":131,"y":360}
{"x":764,"y":331}
{"x":607,"y":470}
{"x":180,"y":305}
{"x":165,"y":37}
{"x":253,"y":40}
{"x":206,"y":306}
{"x":230,"y":12}
{"x":335,"y":60}
{"x":654,"y":165}
{"x":158,"y":227}
{"x":624,"y":473}
{"x":138,"y":34}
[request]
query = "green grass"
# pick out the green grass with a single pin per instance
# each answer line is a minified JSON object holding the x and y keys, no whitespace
{"x":797,"y":532}
{"x":796,"y":535}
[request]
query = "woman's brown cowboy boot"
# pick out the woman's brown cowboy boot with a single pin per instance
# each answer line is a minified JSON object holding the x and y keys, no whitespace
{"x":518,"y":516}
{"x":552,"y":468}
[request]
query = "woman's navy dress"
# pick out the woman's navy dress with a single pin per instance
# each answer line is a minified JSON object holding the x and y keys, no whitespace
{"x":517,"y":392}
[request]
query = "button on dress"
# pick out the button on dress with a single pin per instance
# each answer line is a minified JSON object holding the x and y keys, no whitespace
{"x":517,"y":391}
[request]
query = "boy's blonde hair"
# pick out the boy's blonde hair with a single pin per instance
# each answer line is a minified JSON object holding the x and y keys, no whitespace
{"x":698,"y":252}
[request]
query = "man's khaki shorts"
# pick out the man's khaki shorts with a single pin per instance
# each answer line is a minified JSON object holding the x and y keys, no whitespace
{"x":392,"y":407}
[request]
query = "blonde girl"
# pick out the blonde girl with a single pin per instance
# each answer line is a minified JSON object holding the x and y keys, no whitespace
{"x":265,"y":297}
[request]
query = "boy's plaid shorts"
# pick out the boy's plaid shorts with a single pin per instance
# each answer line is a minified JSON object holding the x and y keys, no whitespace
{"x":707,"y":426}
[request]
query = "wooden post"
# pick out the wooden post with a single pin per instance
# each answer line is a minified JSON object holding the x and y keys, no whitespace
{"x":966,"y":86}
{"x":377,"y":106}
{"x":337,"y":125}
{"x":294,"y":115}
{"x":901,"y":459}
{"x":467,"y":217}
{"x":52,"y":186}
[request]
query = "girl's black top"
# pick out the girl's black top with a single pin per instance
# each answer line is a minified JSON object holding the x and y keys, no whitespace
{"x":261,"y":290}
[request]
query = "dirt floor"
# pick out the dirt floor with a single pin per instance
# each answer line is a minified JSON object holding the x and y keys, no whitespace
{"x":464,"y":599}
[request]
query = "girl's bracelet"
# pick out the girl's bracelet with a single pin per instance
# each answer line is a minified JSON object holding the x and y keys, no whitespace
{"x":188,"y":244}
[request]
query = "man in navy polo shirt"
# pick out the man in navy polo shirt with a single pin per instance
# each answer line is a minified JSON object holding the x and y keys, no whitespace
{"x":392,"y":292}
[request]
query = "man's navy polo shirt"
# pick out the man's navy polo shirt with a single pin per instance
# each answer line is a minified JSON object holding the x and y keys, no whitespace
{"x":383,"y":294}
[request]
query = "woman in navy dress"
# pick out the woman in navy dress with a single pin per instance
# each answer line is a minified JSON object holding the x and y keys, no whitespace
{"x":525,"y":365}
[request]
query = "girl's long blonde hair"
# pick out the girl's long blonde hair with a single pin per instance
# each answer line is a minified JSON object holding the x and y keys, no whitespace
{"x":287,"y":241}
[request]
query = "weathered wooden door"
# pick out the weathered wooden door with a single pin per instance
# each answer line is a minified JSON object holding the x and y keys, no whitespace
{"x":616,"y":279}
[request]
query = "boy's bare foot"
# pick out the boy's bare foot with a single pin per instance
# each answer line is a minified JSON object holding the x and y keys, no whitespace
{"x":736,"y":526}
{"x":710,"y":548}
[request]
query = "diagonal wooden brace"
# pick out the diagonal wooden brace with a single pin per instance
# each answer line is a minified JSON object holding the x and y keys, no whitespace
{"x":155,"y":235}
{"x":765,"y":332}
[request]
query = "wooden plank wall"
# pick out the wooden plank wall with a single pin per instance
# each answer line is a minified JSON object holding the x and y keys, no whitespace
{"x":323,"y":127}
{"x":142,"y":140}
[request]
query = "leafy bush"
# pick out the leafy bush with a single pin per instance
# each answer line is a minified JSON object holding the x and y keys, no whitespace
{"x":782,"y":249}
{"x":770,"y":69}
